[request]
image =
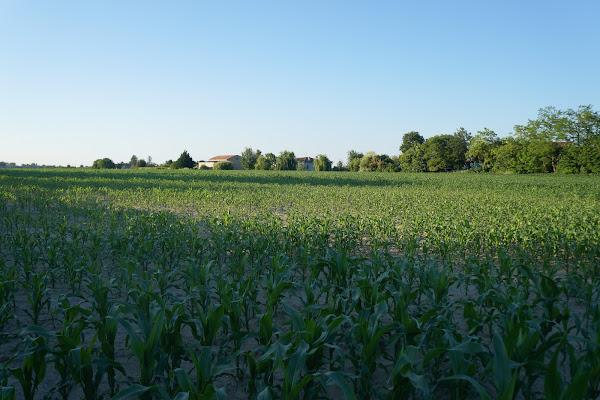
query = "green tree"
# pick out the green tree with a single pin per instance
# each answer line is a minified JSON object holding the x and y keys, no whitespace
{"x":463,"y":135}
{"x":444,"y":152}
{"x":266,"y":162}
{"x":581,"y":145}
{"x":458,"y":145}
{"x":223,"y":165}
{"x":103,"y":163}
{"x":413,"y":159}
{"x":410,"y":140}
{"x":437,"y":154}
{"x":541,"y":150}
{"x":322,"y":163}
{"x":286,"y":161}
{"x":249,"y":158}
{"x":354,"y":158}
{"x":482,"y":148}
{"x":133,"y":161}
{"x":184,"y":161}
{"x":506,"y":156}
{"x":141,"y":163}
{"x":378,"y":163}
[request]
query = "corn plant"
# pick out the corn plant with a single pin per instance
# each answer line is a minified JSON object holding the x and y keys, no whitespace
{"x":33,"y":368}
{"x":206,"y":370}
{"x":145,"y":344}
{"x":38,"y":295}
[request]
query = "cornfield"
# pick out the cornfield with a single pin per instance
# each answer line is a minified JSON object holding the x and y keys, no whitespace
{"x":197,"y":285}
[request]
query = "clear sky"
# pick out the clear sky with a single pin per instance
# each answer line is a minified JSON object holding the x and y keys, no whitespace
{"x":81,"y":80}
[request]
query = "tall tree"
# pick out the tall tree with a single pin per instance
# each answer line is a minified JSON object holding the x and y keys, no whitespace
{"x":482,"y":148}
{"x":184,"y":161}
{"x":413,"y":159}
{"x":411,"y":139}
{"x":354,"y":158}
{"x":458,"y":146}
{"x":506,"y":156}
{"x":437,"y":153}
{"x":249,"y":158}
{"x":322,"y":163}
{"x":286,"y":161}
{"x":266,"y":162}
{"x":133,"y":162}
{"x":103,"y":163}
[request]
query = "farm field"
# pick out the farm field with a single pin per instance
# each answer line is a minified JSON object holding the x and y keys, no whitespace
{"x":165,"y":284}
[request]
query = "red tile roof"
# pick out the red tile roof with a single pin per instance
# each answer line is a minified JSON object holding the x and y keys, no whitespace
{"x":219,"y":158}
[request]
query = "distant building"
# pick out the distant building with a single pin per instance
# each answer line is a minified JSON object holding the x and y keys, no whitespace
{"x":234,"y":159}
{"x":308,"y":162}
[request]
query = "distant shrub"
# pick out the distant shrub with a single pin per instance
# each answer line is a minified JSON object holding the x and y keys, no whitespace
{"x":223,"y":165}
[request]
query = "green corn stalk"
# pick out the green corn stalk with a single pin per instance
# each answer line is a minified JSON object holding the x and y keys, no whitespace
{"x":504,"y":376}
{"x":171,"y":341}
{"x":106,"y":328}
{"x":145,"y":346}
{"x":68,"y":338}
{"x":82,"y":371}
{"x":7,"y":393}
{"x":33,"y":369}
{"x":368,"y":336}
{"x":37,"y":295}
{"x":206,"y":327}
{"x":407,"y":375}
{"x":294,"y":376}
{"x":206,"y":372}
{"x":554,"y":388}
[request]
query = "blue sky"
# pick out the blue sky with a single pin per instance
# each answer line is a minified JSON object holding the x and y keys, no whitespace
{"x":81,"y":80}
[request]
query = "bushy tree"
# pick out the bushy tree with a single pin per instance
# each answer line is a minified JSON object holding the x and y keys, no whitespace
{"x":378,"y":163}
{"x":482,"y":148}
{"x":322,"y":163}
{"x":410,"y":140}
{"x":354,"y":158}
{"x":437,"y":154}
{"x":286,"y":161}
{"x":103,"y":163}
{"x":223,"y":165}
{"x":249,"y":158}
{"x":133,"y":161}
{"x":506,"y":156}
{"x":141,"y":163}
{"x":458,"y":145}
{"x":184,"y":161}
{"x":413,"y":159}
{"x":266,"y":162}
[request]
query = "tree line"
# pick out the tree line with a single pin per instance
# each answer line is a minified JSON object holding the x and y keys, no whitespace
{"x":556,"y":141}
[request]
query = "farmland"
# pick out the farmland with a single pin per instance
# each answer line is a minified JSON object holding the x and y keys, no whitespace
{"x":261,"y":284}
